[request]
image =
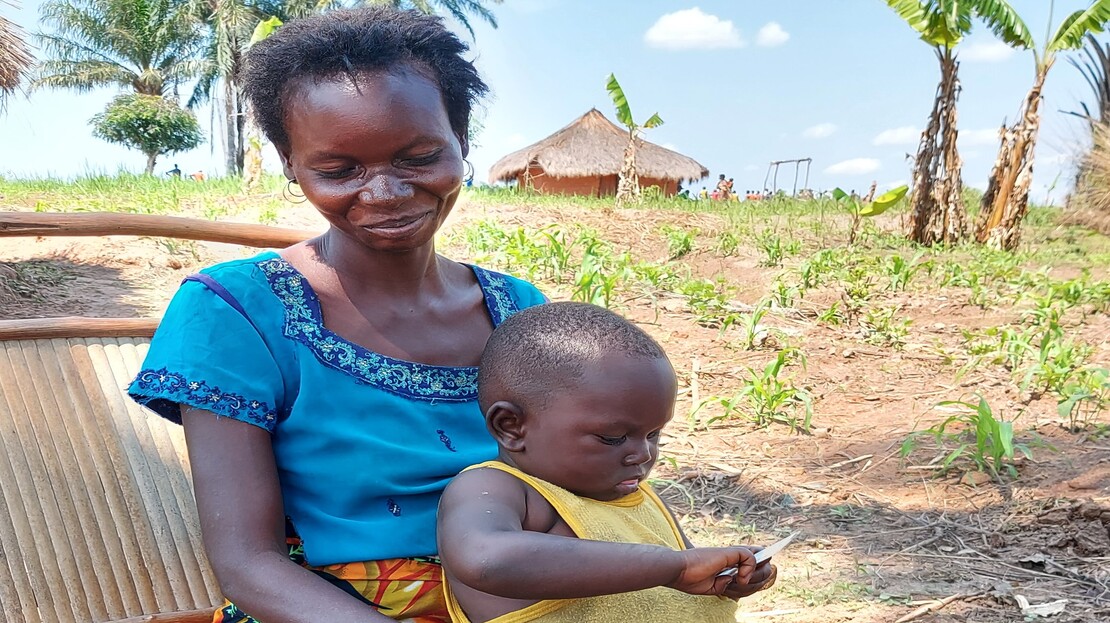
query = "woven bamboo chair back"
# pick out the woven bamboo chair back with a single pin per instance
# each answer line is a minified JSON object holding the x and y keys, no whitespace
{"x":97,"y":517}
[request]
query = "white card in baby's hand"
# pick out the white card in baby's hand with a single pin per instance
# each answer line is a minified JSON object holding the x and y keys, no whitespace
{"x":767,"y":552}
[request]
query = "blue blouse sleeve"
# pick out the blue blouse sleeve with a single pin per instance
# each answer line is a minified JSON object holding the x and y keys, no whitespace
{"x":206,"y":354}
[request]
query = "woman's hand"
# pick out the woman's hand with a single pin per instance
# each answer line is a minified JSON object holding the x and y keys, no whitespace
{"x":709,"y":570}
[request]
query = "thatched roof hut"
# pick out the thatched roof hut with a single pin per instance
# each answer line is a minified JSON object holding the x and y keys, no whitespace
{"x":585,"y":158}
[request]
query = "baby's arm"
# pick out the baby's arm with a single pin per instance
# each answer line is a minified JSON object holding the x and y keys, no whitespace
{"x":762,"y":577}
{"x":483,"y":544}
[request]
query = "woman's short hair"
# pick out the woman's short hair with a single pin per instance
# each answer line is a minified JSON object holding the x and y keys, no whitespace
{"x":353,"y":41}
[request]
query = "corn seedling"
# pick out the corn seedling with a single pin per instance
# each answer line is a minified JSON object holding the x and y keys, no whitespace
{"x":832,"y":316}
{"x":982,"y":440}
{"x":680,"y":242}
{"x":1082,"y":400}
{"x":1057,"y":360}
{"x":710,"y":304}
{"x":784,"y":294}
{"x":727,"y":243}
{"x":881,"y":328}
{"x":776,"y":399}
{"x":900,"y":271}
{"x":773,"y":250}
{"x":754,"y":333}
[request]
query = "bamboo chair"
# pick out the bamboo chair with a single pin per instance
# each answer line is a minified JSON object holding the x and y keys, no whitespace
{"x":97,"y":517}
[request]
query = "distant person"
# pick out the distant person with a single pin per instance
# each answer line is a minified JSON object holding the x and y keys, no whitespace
{"x":198,"y":176}
{"x":703,"y":193}
{"x":723,"y":189}
{"x":174,"y":172}
{"x":563,"y":527}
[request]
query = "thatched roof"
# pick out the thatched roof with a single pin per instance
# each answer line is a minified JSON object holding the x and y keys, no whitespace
{"x":593,"y":145}
{"x":15,"y":58}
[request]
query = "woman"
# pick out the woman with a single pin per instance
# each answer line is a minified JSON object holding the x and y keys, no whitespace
{"x":330,"y":389}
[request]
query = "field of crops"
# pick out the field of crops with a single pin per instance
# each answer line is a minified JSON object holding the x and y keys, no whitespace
{"x":935,"y":421}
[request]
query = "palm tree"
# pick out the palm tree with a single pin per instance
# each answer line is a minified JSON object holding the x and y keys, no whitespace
{"x":15,"y":58}
{"x":938,"y":211}
{"x":149,"y":46}
{"x":628,"y":185}
{"x":1006,"y":200}
{"x":230,"y":24}
{"x":459,"y":9}
{"x":1095,"y":68}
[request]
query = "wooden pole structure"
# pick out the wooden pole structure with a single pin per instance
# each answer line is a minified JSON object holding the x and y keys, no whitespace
{"x":75,"y":326}
{"x":112,"y":224}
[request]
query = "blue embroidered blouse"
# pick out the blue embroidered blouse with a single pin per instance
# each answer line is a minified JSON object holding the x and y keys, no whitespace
{"x":364,"y":443}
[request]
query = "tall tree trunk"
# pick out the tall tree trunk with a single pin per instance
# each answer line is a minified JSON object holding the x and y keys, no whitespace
{"x":232,"y":146}
{"x":240,"y":130}
{"x":628,"y":186}
{"x":252,"y":157}
{"x":1006,"y":200}
{"x":151,"y":160}
{"x":937,"y":206}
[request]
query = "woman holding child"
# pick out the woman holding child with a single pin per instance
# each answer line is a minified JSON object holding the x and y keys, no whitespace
{"x":329,"y":391}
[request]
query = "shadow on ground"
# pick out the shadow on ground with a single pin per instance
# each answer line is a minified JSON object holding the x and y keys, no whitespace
{"x":861,"y":558}
{"x":58,"y":286}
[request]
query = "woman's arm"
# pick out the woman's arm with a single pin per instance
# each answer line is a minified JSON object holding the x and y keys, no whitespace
{"x":243,"y":524}
{"x":484,"y":545}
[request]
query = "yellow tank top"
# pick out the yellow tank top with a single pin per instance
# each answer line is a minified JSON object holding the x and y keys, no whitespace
{"x":636,"y":518}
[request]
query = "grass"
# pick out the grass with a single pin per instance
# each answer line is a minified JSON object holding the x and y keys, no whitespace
{"x":131,"y":193}
{"x":803,"y":244}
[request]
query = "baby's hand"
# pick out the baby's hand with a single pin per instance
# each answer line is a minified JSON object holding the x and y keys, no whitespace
{"x":705,"y":568}
{"x":763,"y":577}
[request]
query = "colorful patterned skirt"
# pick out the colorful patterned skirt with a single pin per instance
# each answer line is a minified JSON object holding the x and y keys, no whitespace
{"x":403,"y":589}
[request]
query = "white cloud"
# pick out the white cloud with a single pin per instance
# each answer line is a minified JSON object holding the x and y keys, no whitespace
{"x":771,"y":35}
{"x":1056,"y":159}
{"x":893,"y":185}
{"x":691,"y":29}
{"x":986,"y":136}
{"x":821,"y":130}
{"x":905,"y":135}
{"x":516,"y":139}
{"x":984,"y":52}
{"x":855,"y":166}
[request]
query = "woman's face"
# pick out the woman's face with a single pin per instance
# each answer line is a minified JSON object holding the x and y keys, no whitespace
{"x":377,"y":157}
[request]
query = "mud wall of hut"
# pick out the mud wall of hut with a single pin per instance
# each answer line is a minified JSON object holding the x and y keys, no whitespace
{"x":595,"y":186}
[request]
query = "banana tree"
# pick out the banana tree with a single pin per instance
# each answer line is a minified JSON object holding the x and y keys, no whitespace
{"x":1006,"y":200}
{"x":938,"y":214}
{"x":628,"y":185}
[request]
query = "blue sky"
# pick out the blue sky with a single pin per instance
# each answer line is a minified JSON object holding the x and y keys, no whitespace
{"x":738,"y":83}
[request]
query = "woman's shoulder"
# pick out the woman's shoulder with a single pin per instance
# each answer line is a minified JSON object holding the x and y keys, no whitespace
{"x":522,"y":293}
{"x":247,"y":267}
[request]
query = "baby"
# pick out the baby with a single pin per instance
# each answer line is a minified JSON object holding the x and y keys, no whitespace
{"x":563,"y":526}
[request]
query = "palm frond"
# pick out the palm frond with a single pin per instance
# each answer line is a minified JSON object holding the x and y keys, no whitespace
{"x":616,"y":93}
{"x":1095,"y":69}
{"x":912,"y":11}
{"x":1078,"y":25}
{"x":1004,"y":22}
{"x":15,"y":57}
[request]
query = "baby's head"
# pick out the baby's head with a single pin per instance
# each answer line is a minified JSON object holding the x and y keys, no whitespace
{"x":577,"y":396}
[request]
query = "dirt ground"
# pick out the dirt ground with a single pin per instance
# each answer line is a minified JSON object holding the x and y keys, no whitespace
{"x":880,"y":536}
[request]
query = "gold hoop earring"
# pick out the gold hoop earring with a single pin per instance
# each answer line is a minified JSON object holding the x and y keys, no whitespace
{"x":289,"y":195}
